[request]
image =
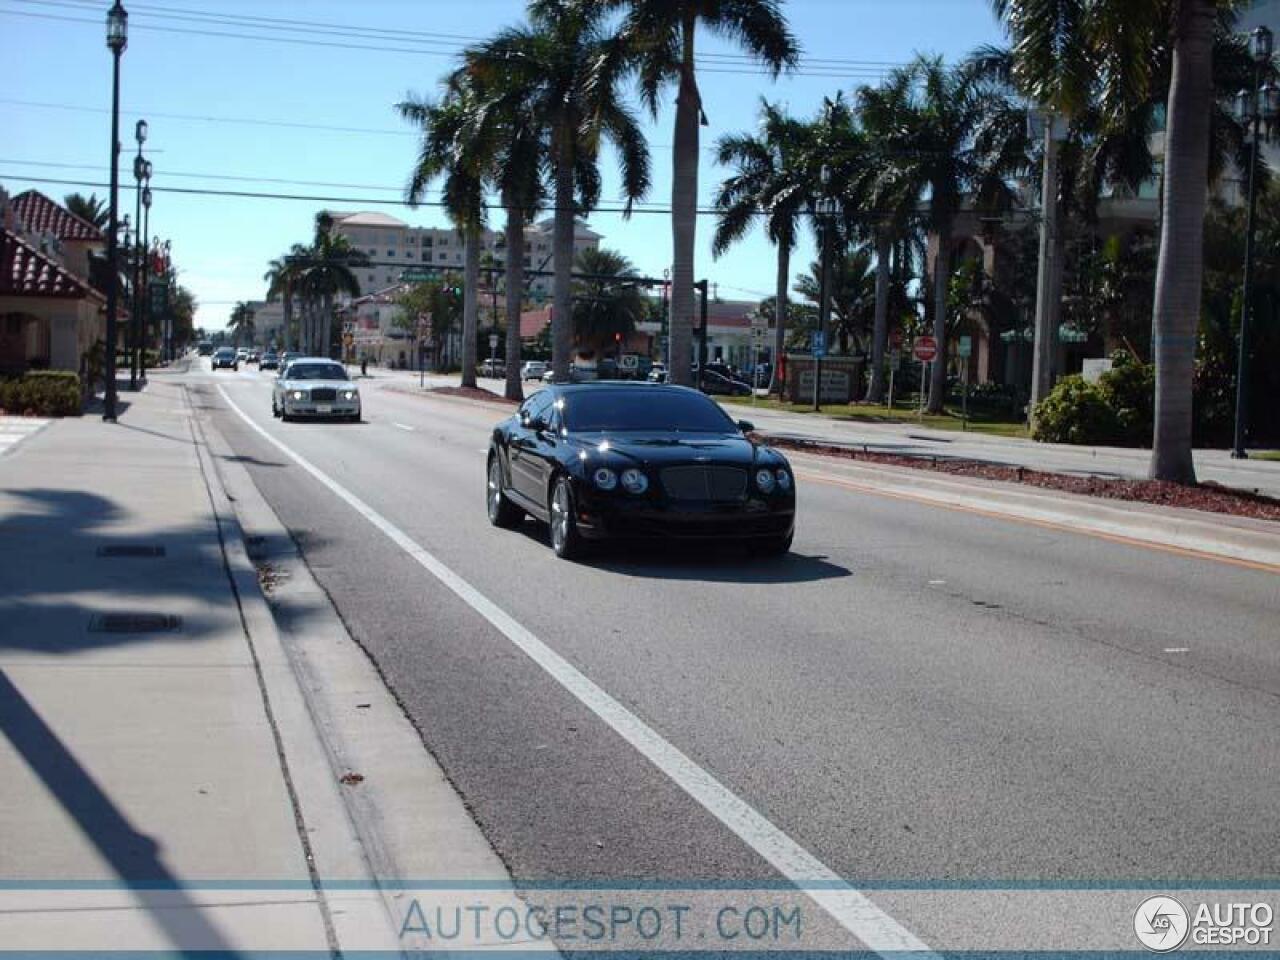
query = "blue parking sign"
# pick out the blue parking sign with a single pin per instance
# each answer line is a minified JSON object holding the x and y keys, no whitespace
{"x":819,"y":343}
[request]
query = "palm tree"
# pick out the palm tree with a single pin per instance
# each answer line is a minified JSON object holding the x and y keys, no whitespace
{"x":1113,"y":39}
{"x":241,"y":323}
{"x":852,"y":298}
{"x":88,"y":208}
{"x":283,"y":277}
{"x":564,"y":69}
{"x":607,"y":303}
{"x":893,"y":196}
{"x":957,"y":138}
{"x":661,"y":34}
{"x":329,"y":272}
{"x":771,"y":177}
{"x":449,"y":149}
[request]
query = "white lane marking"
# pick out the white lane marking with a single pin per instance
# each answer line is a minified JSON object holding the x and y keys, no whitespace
{"x":937,"y":583}
{"x":851,"y":908}
{"x":404,"y":426}
{"x":1177,"y":649}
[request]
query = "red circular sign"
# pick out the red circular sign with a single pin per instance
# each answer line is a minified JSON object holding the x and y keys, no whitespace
{"x":925,"y":349}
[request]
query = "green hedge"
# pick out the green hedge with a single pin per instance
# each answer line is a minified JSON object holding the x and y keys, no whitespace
{"x":1075,"y":411}
{"x":42,"y":393}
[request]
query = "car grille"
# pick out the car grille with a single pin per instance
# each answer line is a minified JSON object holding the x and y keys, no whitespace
{"x":704,"y":483}
{"x":324,"y":395}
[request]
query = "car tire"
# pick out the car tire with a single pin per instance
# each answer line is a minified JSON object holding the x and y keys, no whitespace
{"x":566,"y":541}
{"x":284,"y":415}
{"x":773,"y":546}
{"x":353,"y":418}
{"x":275,"y":411}
{"x":502,"y":512}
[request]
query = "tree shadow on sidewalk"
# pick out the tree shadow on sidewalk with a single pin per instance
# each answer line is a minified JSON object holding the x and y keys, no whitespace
{"x":133,"y":856}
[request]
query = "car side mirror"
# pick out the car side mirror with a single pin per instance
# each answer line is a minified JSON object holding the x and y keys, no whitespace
{"x":746,"y":426}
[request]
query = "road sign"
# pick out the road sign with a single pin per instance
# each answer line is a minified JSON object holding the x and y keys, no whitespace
{"x":965,"y":347}
{"x":819,"y":343}
{"x":493,"y":341}
{"x":895,"y":358}
{"x":629,"y":361}
{"x":925,"y":349}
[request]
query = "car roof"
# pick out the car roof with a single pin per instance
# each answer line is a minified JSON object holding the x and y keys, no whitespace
{"x":638,"y":386}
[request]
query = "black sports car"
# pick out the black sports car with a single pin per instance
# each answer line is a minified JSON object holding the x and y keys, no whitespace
{"x":637,"y":460}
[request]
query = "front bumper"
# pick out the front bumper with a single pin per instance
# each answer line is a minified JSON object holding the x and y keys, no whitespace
{"x":309,"y":408}
{"x":624,"y":517}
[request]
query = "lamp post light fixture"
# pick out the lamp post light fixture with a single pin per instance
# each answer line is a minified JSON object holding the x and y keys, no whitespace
{"x":117,"y":41}
{"x":1262,"y":103}
{"x":146,"y":267}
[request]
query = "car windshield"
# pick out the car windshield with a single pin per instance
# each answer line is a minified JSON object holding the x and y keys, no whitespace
{"x":226,"y":352}
{"x":317,"y":371}
{"x":607,"y":410}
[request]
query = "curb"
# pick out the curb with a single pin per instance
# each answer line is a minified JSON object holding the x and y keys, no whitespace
{"x":1230,"y":539}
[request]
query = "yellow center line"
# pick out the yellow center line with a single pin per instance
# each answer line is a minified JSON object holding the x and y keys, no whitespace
{"x":1045,"y":524}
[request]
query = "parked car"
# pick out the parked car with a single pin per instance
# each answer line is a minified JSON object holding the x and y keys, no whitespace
{"x":602,"y":461}
{"x":315,"y":387}
{"x":533,"y":370}
{"x":226,"y":357}
{"x":718,"y":384}
{"x":658,"y":373}
{"x":270,"y":361}
{"x":493,"y":367}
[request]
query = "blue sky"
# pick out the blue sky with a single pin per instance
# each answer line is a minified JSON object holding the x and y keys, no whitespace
{"x":232,"y":113}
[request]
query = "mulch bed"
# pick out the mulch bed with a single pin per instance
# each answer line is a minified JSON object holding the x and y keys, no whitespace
{"x":474,"y":393}
{"x":1208,"y":497}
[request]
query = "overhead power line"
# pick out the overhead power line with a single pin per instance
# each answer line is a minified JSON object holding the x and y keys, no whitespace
{"x":285,"y":33}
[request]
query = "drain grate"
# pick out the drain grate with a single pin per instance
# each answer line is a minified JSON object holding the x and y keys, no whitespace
{"x":134,"y":623}
{"x":131,"y":550}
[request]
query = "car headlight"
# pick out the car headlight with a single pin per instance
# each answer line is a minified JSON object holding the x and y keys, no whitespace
{"x":298,"y":395}
{"x":605,"y":478}
{"x":784,"y":479}
{"x":634,"y":481}
{"x":349,"y":394}
{"x":764,"y":480}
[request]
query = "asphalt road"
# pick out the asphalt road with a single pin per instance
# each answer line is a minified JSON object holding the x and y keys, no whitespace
{"x":915,"y":695}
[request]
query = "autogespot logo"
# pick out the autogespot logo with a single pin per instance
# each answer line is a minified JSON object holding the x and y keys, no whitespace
{"x":1161,"y":924}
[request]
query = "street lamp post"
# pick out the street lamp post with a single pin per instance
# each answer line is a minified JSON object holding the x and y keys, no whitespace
{"x":826,"y":210}
{"x":146,"y":267}
{"x":139,"y":172}
{"x":117,"y":40}
{"x":1260,"y":103}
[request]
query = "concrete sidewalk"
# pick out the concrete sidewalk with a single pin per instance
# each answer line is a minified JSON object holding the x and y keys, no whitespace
{"x":148,"y":799}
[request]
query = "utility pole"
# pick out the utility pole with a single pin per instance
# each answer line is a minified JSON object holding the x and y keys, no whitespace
{"x":1046,"y":323}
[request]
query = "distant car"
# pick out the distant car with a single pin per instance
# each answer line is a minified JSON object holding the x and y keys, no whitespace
{"x":718,"y":384}
{"x":254,"y":357}
{"x":533,"y":370}
{"x":204,"y":349}
{"x":270,"y":361}
{"x":242,"y":354}
{"x":493,"y":368}
{"x":658,"y":373}
{"x":315,"y":387}
{"x":226,"y":357}
{"x":288,"y":357}
{"x":611,"y":460}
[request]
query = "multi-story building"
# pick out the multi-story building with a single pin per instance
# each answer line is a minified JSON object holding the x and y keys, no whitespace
{"x":393,"y":247}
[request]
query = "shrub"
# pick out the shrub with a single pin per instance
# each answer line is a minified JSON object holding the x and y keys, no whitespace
{"x":42,"y":393}
{"x":1074,"y":412}
{"x":1129,"y":389}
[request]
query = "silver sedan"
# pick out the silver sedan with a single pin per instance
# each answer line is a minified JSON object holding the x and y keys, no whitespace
{"x":315,"y":387}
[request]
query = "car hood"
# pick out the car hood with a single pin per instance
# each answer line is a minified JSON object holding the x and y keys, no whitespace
{"x":314,"y":384}
{"x":667,"y":449}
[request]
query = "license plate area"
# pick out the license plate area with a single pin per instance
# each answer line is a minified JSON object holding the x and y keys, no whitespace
{"x":324,"y":408}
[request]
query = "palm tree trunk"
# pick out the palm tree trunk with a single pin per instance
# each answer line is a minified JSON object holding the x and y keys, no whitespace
{"x":470,"y":303}
{"x":562,"y":243}
{"x":515,"y":300}
{"x":880,"y":333}
{"x":684,"y":204}
{"x":941,"y":280}
{"x":1181,"y":265}
{"x":288,"y":320}
{"x":780,"y":315}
